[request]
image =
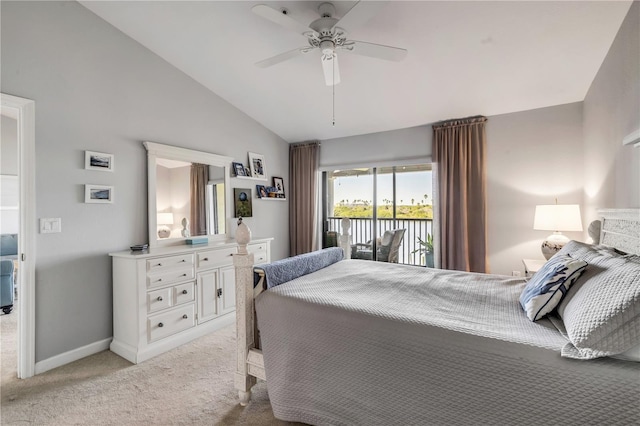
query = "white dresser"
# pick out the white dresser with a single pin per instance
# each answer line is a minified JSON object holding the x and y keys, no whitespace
{"x":168,"y":296}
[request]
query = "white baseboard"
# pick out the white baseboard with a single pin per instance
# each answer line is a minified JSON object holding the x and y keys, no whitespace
{"x":73,"y":355}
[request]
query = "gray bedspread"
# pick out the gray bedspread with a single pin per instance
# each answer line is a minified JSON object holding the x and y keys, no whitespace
{"x":365,"y":343}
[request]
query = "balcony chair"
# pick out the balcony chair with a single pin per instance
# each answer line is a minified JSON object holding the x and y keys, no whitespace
{"x":387,"y":251}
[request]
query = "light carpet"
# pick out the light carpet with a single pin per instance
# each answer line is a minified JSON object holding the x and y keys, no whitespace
{"x":190,"y":385}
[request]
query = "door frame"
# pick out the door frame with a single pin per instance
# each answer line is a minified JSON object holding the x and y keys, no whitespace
{"x":25,"y":109}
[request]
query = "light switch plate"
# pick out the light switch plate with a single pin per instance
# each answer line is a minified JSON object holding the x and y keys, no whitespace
{"x":50,"y":225}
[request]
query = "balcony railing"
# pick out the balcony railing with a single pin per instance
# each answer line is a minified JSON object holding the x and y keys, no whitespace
{"x":362,"y":229}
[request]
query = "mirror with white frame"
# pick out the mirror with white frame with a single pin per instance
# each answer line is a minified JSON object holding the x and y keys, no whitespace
{"x":188,"y":194}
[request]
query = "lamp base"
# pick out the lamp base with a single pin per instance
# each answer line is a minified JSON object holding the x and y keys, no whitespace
{"x":164,"y":232}
{"x":553,"y":244}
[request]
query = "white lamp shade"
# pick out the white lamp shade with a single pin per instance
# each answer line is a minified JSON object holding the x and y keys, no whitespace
{"x":165,"y":218}
{"x":558,"y":217}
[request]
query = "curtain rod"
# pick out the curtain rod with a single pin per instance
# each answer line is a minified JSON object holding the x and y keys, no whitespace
{"x":458,"y":122}
{"x":308,"y":143}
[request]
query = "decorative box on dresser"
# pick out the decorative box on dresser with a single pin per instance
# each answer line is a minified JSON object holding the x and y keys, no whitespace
{"x":168,"y":296}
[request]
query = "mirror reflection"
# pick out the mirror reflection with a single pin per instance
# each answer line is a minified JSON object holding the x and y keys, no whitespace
{"x":190,"y":199}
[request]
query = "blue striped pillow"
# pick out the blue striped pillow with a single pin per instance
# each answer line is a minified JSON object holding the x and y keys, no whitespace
{"x":547,"y":287}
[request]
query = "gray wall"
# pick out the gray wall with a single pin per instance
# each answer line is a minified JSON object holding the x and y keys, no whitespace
{"x":96,"y":89}
{"x":611,"y":112}
{"x":8,"y":146}
{"x":573,"y":152}
{"x":377,"y":149}
{"x":9,"y":214}
{"x":532,"y":158}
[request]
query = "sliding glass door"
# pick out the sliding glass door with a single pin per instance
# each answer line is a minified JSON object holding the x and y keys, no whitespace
{"x":393,"y":200}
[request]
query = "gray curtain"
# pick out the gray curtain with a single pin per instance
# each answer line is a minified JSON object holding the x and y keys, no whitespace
{"x":199,"y":181}
{"x":303,"y":200}
{"x":459,"y":148}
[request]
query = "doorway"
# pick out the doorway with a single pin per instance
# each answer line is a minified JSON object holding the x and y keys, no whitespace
{"x":23,"y":112}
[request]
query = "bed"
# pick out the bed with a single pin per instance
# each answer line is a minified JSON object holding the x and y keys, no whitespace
{"x":360,"y":342}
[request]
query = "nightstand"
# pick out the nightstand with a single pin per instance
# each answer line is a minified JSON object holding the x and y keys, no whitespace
{"x":531,"y":266}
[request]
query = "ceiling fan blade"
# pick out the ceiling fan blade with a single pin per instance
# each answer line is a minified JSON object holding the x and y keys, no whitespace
{"x":279,"y":18}
{"x":281,"y":57}
{"x":331,"y":70}
{"x":360,"y":13}
{"x":379,"y":51}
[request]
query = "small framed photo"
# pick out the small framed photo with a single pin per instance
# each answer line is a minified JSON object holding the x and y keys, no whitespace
{"x":238,"y":168}
{"x":261,"y":190}
{"x":98,"y":194}
{"x":256,"y":163}
{"x":98,"y":161}
{"x":247,"y":171}
{"x":242,"y":202}
{"x":278,"y":182}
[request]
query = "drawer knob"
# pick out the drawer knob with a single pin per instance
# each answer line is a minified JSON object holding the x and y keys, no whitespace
{"x":183,"y":260}
{"x":184,"y":291}
{"x":160,"y":324}
{"x":206,"y":259}
{"x":159,"y":298}
{"x":185,"y":316}
{"x":159,"y":279}
{"x":184,"y":275}
{"x":159,"y":264}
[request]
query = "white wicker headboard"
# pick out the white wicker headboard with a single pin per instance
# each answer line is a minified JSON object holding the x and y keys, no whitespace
{"x":621,"y":229}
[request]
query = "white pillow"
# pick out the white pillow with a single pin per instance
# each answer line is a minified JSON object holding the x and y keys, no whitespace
{"x":547,"y":287}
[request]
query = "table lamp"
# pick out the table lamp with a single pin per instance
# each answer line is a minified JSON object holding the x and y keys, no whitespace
{"x":556,"y":218}
{"x":164,"y":219}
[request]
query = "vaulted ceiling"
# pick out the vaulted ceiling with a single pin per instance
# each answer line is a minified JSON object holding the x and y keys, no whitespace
{"x":464,"y":58}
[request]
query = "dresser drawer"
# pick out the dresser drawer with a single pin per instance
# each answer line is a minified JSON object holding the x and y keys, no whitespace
{"x":259,"y":253}
{"x":259,"y":257}
{"x":255,"y":248}
{"x":171,"y":276}
{"x":161,"y":263}
{"x":171,"y":322}
{"x":218,"y":257}
{"x":158,"y":299}
{"x":183,"y":293}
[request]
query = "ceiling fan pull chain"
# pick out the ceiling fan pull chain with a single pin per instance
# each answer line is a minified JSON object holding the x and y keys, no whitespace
{"x":333,"y":66}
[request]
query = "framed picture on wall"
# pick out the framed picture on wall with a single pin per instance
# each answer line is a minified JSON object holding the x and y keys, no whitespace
{"x":238,"y":168}
{"x":256,"y":163}
{"x":262,"y":191}
{"x":98,"y":161}
{"x":242,"y":202}
{"x":98,"y":194}
{"x":278,"y":183}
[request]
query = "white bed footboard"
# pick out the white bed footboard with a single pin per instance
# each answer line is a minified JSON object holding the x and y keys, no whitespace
{"x":249,"y":362}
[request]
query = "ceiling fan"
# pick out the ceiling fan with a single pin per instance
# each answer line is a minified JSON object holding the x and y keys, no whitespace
{"x":325,"y":35}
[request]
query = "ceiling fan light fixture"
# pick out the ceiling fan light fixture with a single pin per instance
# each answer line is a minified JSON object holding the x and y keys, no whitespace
{"x":330,"y":69}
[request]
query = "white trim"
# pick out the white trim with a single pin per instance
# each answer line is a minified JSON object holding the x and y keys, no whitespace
{"x":632,"y":139}
{"x":72,"y":355}
{"x":390,"y":163}
{"x":26,"y":236}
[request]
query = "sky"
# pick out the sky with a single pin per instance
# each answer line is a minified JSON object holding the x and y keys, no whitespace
{"x":409,"y":185}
